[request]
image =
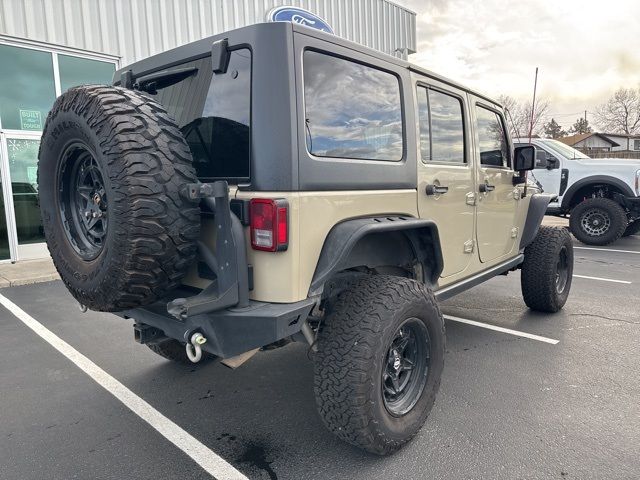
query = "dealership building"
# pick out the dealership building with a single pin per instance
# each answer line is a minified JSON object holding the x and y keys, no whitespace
{"x":47,"y":46}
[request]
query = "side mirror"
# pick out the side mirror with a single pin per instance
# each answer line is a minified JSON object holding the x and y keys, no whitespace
{"x":524,"y":158}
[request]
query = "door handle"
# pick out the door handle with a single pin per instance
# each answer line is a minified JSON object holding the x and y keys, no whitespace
{"x":485,"y":187}
{"x":436,"y":190}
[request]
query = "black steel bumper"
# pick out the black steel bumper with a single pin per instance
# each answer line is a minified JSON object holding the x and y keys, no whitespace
{"x":228,"y":332}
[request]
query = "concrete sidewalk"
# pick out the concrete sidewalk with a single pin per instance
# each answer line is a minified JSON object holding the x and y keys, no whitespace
{"x":26,"y":272}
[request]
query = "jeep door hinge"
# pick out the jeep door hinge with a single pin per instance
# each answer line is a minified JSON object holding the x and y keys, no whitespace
{"x":471,"y":198}
{"x":514,"y":232}
{"x":469,"y":246}
{"x":517,"y":193}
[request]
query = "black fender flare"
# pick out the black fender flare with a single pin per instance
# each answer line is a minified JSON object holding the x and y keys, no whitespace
{"x":422,"y":235}
{"x":537,"y":209}
{"x":595,"y":179}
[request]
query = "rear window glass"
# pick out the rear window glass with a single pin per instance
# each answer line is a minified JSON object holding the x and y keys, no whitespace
{"x":214,"y":114}
{"x":351,"y":110}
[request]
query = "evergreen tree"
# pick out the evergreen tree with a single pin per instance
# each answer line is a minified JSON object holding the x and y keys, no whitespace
{"x":581,"y":126}
{"x":553,"y":130}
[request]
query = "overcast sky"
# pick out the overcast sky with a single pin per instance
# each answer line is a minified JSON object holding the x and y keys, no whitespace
{"x":585,"y":49}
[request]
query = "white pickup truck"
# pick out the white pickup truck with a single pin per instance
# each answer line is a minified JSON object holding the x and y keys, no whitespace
{"x":602,"y":196}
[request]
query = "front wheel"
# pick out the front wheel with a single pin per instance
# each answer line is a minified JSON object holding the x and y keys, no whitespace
{"x":547,"y":270}
{"x":379,"y":362}
{"x":598,"y":221}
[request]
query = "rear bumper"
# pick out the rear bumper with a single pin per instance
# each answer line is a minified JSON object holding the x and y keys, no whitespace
{"x":228,"y":332}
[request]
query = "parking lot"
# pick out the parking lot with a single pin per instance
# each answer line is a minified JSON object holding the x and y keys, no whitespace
{"x":561,"y":402}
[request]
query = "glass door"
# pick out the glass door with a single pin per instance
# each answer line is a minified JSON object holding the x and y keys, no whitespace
{"x":5,"y":249}
{"x":22,"y":159}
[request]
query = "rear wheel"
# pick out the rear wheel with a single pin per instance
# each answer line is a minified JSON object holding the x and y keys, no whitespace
{"x":379,"y":362}
{"x":598,"y":221}
{"x":632,"y":229}
{"x":547,"y":270}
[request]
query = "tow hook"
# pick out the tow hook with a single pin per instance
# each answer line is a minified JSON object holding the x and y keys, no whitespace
{"x":83,"y":308}
{"x":194,"y":347}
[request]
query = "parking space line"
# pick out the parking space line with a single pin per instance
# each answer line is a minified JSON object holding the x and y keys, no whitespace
{"x":213,"y":464}
{"x":626,"y":282}
{"x":488,"y":326}
{"x":606,"y":250}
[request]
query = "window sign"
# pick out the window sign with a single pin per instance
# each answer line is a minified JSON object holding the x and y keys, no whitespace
{"x":26,"y":86}
{"x":30,"y":120}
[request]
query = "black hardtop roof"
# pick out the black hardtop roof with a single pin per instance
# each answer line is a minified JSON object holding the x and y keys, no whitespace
{"x":201,"y":48}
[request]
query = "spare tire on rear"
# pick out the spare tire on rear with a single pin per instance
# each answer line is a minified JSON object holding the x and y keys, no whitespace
{"x":113,"y":170}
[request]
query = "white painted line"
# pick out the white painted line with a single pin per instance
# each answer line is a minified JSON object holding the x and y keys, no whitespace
{"x":488,"y":326}
{"x":602,"y":279}
{"x":213,"y":464}
{"x":606,"y":250}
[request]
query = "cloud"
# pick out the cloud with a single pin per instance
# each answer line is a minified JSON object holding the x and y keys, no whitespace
{"x":585,"y":49}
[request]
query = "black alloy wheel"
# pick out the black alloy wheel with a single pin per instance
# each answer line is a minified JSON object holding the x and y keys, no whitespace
{"x":406,"y":367}
{"x":562,"y":270}
{"x":83,"y":201}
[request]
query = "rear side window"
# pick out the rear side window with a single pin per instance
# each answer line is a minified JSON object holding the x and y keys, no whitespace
{"x":441,"y":121}
{"x":492,"y":140}
{"x":214,"y":115}
{"x":351,"y":110}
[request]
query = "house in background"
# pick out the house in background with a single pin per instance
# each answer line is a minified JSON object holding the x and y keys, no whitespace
{"x":628,"y":143}
{"x":605,"y":145}
{"x":590,"y":142}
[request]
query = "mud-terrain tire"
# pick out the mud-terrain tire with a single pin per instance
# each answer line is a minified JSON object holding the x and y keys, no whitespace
{"x":547,"y":270}
{"x":597,"y":221}
{"x":112,"y":170}
{"x":175,"y":351}
{"x":356,"y":345}
{"x":632,"y":229}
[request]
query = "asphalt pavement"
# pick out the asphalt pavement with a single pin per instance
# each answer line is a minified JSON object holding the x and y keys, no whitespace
{"x":509,"y":406}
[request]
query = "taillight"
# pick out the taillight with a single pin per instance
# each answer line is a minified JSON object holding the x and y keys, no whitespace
{"x":269,"y":224}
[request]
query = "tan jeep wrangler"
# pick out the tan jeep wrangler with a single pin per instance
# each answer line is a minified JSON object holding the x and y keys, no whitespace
{"x":277,"y":183}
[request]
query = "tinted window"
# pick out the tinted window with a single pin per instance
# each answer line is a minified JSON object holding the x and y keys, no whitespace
{"x":492,"y":142}
{"x":214,"y":113}
{"x":352,"y":110}
{"x":82,"y":71}
{"x":27,"y":89}
{"x":447,"y":128}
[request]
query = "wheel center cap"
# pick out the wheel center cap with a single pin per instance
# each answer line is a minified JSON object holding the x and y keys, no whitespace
{"x":396,"y":360}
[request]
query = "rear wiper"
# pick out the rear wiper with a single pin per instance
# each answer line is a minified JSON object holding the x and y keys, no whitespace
{"x":157,"y":81}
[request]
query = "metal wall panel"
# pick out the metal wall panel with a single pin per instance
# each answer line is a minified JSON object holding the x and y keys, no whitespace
{"x":134,"y":29}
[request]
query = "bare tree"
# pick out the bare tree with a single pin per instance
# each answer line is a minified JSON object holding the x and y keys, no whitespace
{"x":519,"y":115}
{"x":621,"y":113}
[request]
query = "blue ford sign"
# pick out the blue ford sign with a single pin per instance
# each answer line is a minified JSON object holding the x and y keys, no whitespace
{"x":298,"y":15}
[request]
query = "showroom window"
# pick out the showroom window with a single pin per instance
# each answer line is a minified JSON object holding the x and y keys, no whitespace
{"x":27,"y":88}
{"x":83,"y":71}
{"x":34,"y":77}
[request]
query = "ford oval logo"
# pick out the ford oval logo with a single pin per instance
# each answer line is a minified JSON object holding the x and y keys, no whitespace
{"x":300,"y":16}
